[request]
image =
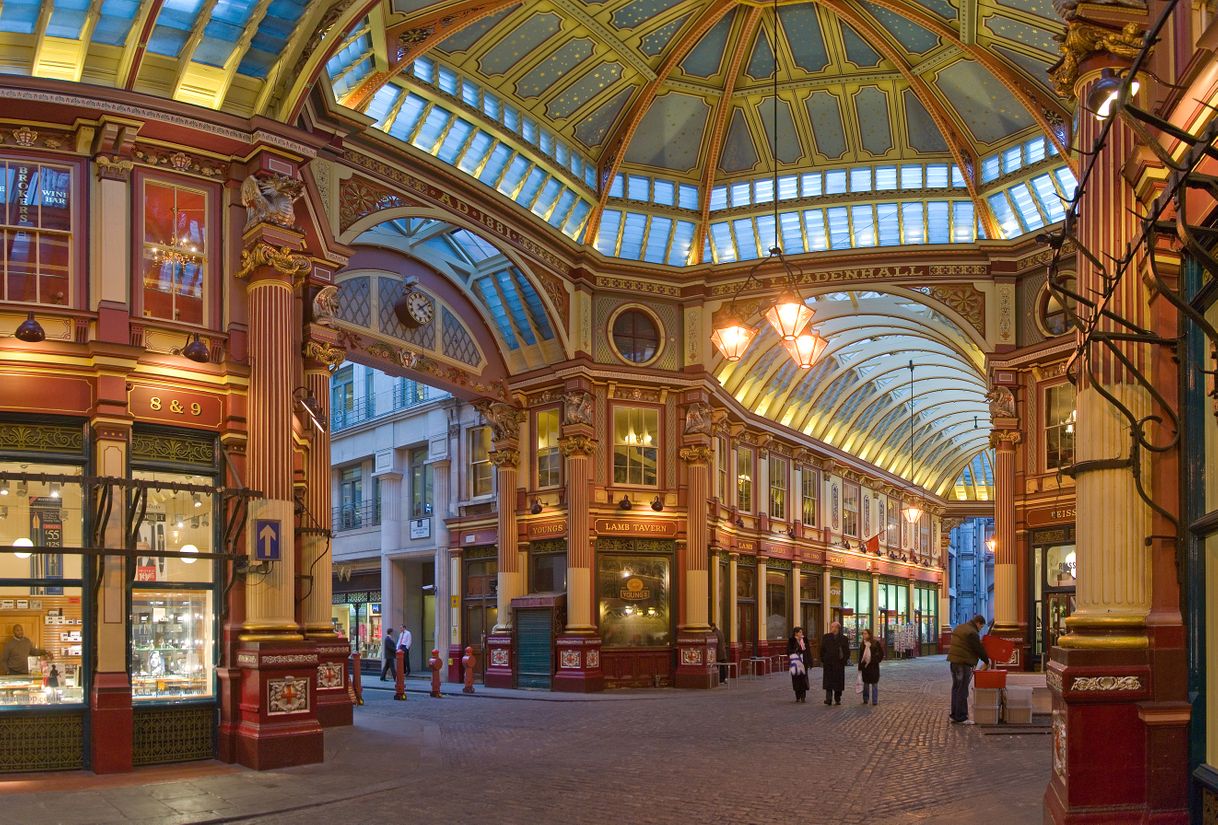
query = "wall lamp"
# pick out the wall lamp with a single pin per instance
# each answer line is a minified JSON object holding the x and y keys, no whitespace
{"x":625,"y":504}
{"x":195,"y":350}
{"x":30,"y":331}
{"x":657,"y":504}
{"x":536,"y":508}
{"x":312,"y":409}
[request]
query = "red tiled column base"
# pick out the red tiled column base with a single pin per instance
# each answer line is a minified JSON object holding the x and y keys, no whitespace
{"x":579,"y":665}
{"x":278,"y":712}
{"x":333,"y":702}
{"x":499,"y":672}
{"x":112,"y":723}
{"x":695,"y":661}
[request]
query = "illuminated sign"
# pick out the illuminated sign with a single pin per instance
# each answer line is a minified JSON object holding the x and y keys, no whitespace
{"x":636,"y":527}
{"x":634,"y":591}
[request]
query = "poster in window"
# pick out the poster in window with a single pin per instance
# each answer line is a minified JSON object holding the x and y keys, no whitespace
{"x":46,"y":528}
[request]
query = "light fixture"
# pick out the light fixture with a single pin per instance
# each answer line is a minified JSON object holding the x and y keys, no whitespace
{"x":197,"y":500}
{"x":805,"y":349}
{"x":187,"y":550}
{"x":913,"y":512}
{"x":991,"y":544}
{"x":536,"y":508}
{"x":55,"y":489}
{"x":1106,"y":91}
{"x":625,"y":504}
{"x":1070,"y":421}
{"x":3,"y":511}
{"x":657,"y":503}
{"x":177,"y":251}
{"x":30,"y":331}
{"x":180,"y":523}
{"x":4,"y":487}
{"x":731,"y":336}
{"x":22,"y":542}
{"x":23,"y":489}
{"x":196,"y":350}
{"x":312,"y":409}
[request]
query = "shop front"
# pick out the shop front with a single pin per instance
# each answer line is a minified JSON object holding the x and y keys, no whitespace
{"x":850,"y":603}
{"x":356,"y":614}
{"x":479,"y":600}
{"x":777,"y":606}
{"x":811,"y":603}
{"x":636,"y":610}
{"x":892,"y":608}
{"x":926,"y":618}
{"x":1052,"y":586}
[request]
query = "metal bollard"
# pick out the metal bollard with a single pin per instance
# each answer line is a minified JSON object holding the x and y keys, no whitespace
{"x":435,"y":664}
{"x":399,"y":684}
{"x":357,"y":685}
{"x":468,"y":661}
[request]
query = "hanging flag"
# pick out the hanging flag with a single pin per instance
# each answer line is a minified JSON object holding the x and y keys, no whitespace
{"x":872,"y":544}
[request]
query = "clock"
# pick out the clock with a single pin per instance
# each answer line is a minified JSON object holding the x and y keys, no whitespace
{"x":414,"y":309}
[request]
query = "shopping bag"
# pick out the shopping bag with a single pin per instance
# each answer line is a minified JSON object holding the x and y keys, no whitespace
{"x":858,"y":683}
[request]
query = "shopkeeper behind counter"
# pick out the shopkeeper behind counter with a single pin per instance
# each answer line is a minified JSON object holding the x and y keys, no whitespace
{"x":15,"y":657}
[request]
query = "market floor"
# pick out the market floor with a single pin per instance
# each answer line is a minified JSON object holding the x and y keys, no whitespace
{"x":745,"y":754}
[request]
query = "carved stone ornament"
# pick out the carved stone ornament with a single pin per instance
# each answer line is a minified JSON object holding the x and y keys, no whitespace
{"x":577,"y":445}
{"x":504,"y":418}
{"x":113,"y":168}
{"x":577,"y":407}
{"x":1083,"y":39}
{"x":1106,"y":683}
{"x":1002,"y":402}
{"x":1005,"y":439}
{"x":505,"y":458}
{"x":695,"y":455}
{"x":282,"y":260}
{"x":25,"y":136}
{"x":325,"y":353}
{"x":325,"y":306}
{"x":698,"y":419}
{"x":269,"y":199}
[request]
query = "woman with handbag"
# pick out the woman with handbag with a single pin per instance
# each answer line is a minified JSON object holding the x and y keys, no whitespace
{"x":871,"y":653}
{"x":799,"y":652}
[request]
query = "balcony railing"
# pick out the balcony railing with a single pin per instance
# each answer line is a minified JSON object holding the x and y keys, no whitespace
{"x":405,"y":394}
{"x":355,"y":517}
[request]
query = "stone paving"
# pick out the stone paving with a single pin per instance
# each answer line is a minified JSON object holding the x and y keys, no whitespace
{"x":745,"y":754}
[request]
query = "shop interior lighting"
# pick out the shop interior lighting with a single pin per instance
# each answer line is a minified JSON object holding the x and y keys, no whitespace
{"x":991,"y":544}
{"x":23,"y":489}
{"x":4,"y":487}
{"x":55,"y":489}
{"x":187,"y":551}
{"x":22,"y":542}
{"x":197,"y":501}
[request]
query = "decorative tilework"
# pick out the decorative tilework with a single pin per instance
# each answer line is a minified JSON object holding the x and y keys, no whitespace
{"x":42,"y":741}
{"x":457,"y":342}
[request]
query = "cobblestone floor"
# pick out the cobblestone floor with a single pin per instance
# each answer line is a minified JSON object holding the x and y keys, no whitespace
{"x":745,"y":754}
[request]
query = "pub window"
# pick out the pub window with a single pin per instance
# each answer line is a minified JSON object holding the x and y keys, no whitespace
{"x":420,"y":484}
{"x":744,"y":479}
{"x":1059,"y":426}
{"x":35,"y":233}
{"x":809,"y":484}
{"x":777,"y":610}
{"x":850,"y":509}
{"x":635,"y":445}
{"x":175,"y":252}
{"x":549,"y":460}
{"x":481,"y":471}
{"x":634,"y":599}
{"x":778,"y":488}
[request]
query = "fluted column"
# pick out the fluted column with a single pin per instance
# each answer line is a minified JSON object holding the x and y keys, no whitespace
{"x":762,"y":634}
{"x":511,"y":578}
{"x":271,"y":277}
{"x":795,"y":604}
{"x":578,"y":449}
{"x":697,"y":531}
{"x":733,"y":582}
{"x":320,"y":361}
{"x":1006,"y":555}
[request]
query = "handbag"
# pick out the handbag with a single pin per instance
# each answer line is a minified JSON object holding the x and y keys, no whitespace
{"x":797,"y":665}
{"x":858,"y":683}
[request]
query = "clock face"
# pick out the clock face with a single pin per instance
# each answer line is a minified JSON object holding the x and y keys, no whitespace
{"x":415,"y":309}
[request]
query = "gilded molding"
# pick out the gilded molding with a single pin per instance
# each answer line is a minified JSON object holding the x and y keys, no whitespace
{"x":1106,"y":683}
{"x":504,"y":418}
{"x":695,"y":455}
{"x":113,"y":168}
{"x":327,"y":354}
{"x":577,"y":445}
{"x":1083,"y":39}
{"x":282,"y":260}
{"x":506,"y":458}
{"x":1053,"y":679}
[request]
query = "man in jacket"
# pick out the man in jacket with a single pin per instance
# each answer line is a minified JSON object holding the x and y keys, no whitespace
{"x":834,"y":654}
{"x":387,"y":648}
{"x":962,"y":656}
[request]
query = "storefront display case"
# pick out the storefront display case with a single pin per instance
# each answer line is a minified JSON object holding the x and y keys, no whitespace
{"x":171,"y":644}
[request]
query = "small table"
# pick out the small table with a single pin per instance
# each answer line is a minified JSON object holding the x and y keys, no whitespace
{"x":754,"y":662}
{"x":777,"y":662}
{"x":733,"y":671}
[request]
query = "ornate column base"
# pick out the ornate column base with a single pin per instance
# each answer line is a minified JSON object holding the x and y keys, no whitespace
{"x":334,"y":707}
{"x":500,"y":670}
{"x":1017,"y":635}
{"x":112,"y":724}
{"x":1118,"y":755}
{"x":695,"y":661}
{"x":278,"y":712}
{"x":579,"y":664}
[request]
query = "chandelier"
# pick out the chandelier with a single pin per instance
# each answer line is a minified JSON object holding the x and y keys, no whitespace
{"x":177,"y":251}
{"x":789,"y":316}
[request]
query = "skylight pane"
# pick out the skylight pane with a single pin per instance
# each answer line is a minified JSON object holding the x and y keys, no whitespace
{"x":606,"y":235}
{"x":1065,"y":179}
{"x":494,"y":166}
{"x":814,"y":223}
{"x":637,"y":188}
{"x":657,"y":239}
{"x":911,"y":176}
{"x":576,"y":220}
{"x":885,"y":178}
{"x":433,"y":126}
{"x":1049,"y":200}
{"x":741,"y":195}
{"x":1007,"y":222}
{"x":383,"y":101}
{"x":835,"y":182}
{"x":938,"y":225}
{"x":911,"y":223}
{"x":964,"y":222}
{"x":424,"y":69}
{"x":1034,"y":150}
{"x":1011,"y":160}
{"x":763,"y":190}
{"x":721,"y":236}
{"x":532,"y":185}
{"x":990,"y":169}
{"x":860,"y":179}
{"x":515,"y":174}
{"x":936,"y":175}
{"x":788,"y":187}
{"x":617,"y":186}
{"x":888,"y":223}
{"x":469,"y":94}
{"x":490,"y":105}
{"x":792,"y":234}
{"x":746,"y":243}
{"x":665,"y":191}
{"x":718,"y":198}
{"x":957,"y":177}
{"x":454,"y":140}
{"x":632,"y":236}
{"x":682,"y":239}
{"x":863,"y":218}
{"x":1026,"y":206}
{"x":478,"y":149}
{"x":811,"y":185}
{"x":546,"y":143}
{"x":688,"y":196}
{"x":839,"y":227}
{"x":549,"y":194}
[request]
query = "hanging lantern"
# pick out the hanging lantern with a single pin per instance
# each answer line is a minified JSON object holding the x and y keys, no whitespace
{"x":806,"y":349}
{"x":913,"y":513}
{"x":731,"y":336}
{"x":789,"y":315}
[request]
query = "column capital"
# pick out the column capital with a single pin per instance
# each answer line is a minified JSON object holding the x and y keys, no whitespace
{"x":577,"y":445}
{"x":507,"y":458}
{"x":504,"y":418}
{"x":1085,"y":38}
{"x":1005,"y":439}
{"x":321,"y":355}
{"x":696,"y":454}
{"x":282,"y":261}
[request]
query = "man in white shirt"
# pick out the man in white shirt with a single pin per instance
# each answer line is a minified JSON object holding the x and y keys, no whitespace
{"x":404,"y":645}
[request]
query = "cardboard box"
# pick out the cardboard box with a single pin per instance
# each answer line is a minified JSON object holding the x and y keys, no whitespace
{"x":986,"y":716}
{"x":1018,"y":715}
{"x":1019,"y":697}
{"x":987,"y":697}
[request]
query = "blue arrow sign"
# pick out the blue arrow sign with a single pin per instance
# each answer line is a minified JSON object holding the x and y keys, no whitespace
{"x":266,"y":539}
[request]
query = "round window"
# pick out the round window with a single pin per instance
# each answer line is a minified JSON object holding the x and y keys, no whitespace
{"x":1052,"y":312}
{"x":636,"y":336}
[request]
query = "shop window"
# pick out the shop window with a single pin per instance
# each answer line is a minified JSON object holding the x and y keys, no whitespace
{"x":777,"y":608}
{"x":636,"y":445}
{"x":342,"y":396}
{"x":924,"y":537}
{"x":636,"y":336}
{"x":481,"y":471}
{"x":850,"y":604}
{"x":548,"y":567}
{"x":479,"y":605}
{"x":744,"y":479}
{"x":351,"y":499}
{"x":35,"y":233}
{"x":549,"y":460}
{"x":358,"y":616}
{"x":778,"y":469}
{"x":850,"y":509}
{"x":634,"y":600}
{"x":175,"y":252}
{"x":1059,"y":426}
{"x":42,"y":630}
{"x":420,"y":484}
{"x":809,"y":485}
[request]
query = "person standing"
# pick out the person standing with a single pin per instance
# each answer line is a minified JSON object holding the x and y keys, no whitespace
{"x":799,"y":652}
{"x":871,"y":653}
{"x":834,"y":654}
{"x":15,"y":658}
{"x":388,"y":646}
{"x":962,"y":656}
{"x":404,"y":645}
{"x":720,"y":651}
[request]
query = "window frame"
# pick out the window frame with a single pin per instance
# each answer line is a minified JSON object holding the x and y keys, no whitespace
{"x":655,"y":320}
{"x":76,"y":294}
{"x":552,"y":451}
{"x":656,"y":447}
{"x":474,"y":466}
{"x":745,"y":488}
{"x":848,"y":488}
{"x":421,"y":476}
{"x":809,"y":481}
{"x":1047,"y":429}
{"x":784,"y":474}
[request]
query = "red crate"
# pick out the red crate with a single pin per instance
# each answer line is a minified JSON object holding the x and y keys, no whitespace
{"x":990,"y":678}
{"x":1000,"y":650}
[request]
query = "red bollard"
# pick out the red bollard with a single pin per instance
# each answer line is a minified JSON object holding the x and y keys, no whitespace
{"x":468,"y":661}
{"x":435,"y":664}
{"x":400,"y":677}
{"x":357,"y":685}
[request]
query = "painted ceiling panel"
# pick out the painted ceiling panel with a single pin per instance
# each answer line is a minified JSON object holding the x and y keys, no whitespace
{"x":922,"y":133}
{"x":592,"y":130}
{"x":519,"y":43}
{"x":802,"y":30}
{"x":1022,"y":32}
{"x":1038,"y":69}
{"x":654,"y":42}
{"x":872,"y":105}
{"x":706,"y":57}
{"x":1043,"y":8}
{"x":670,"y":135}
{"x":761,"y":64}
{"x":549,"y":71}
{"x":944,"y":8}
{"x":640,"y":11}
{"x":471,"y":34}
{"x":987,"y":108}
{"x":583,"y":90}
{"x":739,"y":153}
{"x":789,"y":148}
{"x":825,"y":111}
{"x":909,"y":34}
{"x":857,"y":50}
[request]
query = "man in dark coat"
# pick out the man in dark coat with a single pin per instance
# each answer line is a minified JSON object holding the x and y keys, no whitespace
{"x":389,"y":665}
{"x":962,"y":656}
{"x":834,"y":654}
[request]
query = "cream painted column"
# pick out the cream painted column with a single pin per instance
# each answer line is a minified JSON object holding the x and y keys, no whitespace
{"x":733,"y":581}
{"x":111,"y":449}
{"x":578,"y":449}
{"x":1006,"y":580}
{"x":445,"y":588}
{"x":826,"y":607}
{"x":762,"y":634}
{"x":716,"y":584}
{"x":697,"y":460}
{"x":320,"y":360}
{"x":271,"y":275}
{"x":454,"y":609}
{"x":876,"y":628}
{"x":511,"y":576}
{"x":795,"y":603}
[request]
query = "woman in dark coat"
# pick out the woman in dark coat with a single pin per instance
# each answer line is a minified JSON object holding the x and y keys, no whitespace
{"x":871,"y":653}
{"x":799,"y":652}
{"x":834,"y":654}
